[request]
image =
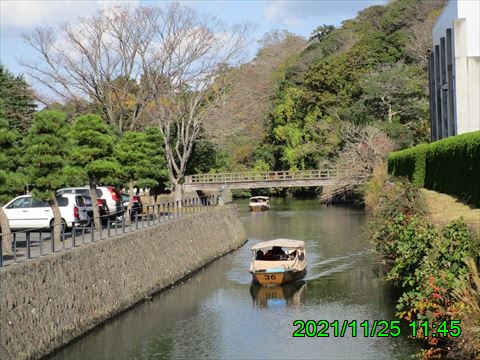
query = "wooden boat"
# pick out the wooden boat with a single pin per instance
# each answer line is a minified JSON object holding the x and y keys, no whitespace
{"x":259,"y":203}
{"x":277,"y":262}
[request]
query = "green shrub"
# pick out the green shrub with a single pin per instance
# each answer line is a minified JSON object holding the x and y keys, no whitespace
{"x":409,"y":163}
{"x":425,"y":262}
{"x":453,"y":166}
{"x":450,"y":166}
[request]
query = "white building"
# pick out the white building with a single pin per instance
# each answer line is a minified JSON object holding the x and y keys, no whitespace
{"x":454,"y":68}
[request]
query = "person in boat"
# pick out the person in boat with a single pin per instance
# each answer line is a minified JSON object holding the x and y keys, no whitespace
{"x":276,"y":253}
{"x":260,"y":255}
{"x":277,"y":250}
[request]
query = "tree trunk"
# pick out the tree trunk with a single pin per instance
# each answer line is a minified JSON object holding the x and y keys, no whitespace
{"x":96,"y":212}
{"x":178,"y":194}
{"x":57,"y":216}
{"x":175,"y":174}
{"x":128,"y":215}
{"x":6,"y":234}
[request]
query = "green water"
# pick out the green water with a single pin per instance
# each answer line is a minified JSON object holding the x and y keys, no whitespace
{"x":218,"y":314}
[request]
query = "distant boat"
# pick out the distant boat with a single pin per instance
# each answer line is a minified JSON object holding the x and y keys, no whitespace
{"x":259,"y":203}
{"x":277,"y":262}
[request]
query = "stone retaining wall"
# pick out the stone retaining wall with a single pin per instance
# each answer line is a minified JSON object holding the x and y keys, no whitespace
{"x":49,"y":301}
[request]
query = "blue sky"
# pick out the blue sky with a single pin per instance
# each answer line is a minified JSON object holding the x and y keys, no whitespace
{"x":297,"y":16}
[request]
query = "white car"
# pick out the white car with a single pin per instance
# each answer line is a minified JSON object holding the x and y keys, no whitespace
{"x":110,"y":194}
{"x":24,"y":212}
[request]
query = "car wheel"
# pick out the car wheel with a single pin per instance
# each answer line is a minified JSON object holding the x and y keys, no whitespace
{"x":88,"y":223}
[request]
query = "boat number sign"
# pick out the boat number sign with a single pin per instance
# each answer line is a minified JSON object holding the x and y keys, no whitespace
{"x":270,"y":277}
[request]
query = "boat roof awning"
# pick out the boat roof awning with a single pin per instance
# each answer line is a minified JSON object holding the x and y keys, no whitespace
{"x":259,"y":197}
{"x":288,"y":243}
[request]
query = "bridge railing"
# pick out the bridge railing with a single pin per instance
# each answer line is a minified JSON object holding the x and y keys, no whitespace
{"x":260,"y":176}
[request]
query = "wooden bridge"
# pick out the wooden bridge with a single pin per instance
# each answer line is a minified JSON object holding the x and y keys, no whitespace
{"x":251,"y":180}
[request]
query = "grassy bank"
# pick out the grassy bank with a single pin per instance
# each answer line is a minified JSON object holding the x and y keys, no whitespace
{"x":433,"y":267}
{"x":443,"y":208}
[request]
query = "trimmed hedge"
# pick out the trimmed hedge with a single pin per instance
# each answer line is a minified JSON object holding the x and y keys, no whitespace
{"x":409,"y":163}
{"x":450,"y":166}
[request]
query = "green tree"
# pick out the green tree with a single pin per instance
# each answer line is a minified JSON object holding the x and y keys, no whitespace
{"x":321,"y":32}
{"x":11,"y":176}
{"x":18,"y":107}
{"x":141,"y":163}
{"x":92,"y":155}
{"x":11,"y":169}
{"x":396,"y":94}
{"x":45,"y":157}
{"x":156,"y":156}
{"x":300,"y":132}
{"x":16,"y":101}
{"x":203,"y":158}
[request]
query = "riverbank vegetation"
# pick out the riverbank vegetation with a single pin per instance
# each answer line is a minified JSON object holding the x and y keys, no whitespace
{"x":433,"y":268}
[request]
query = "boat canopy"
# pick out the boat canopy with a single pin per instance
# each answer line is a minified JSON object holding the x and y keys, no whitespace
{"x":259,"y":198}
{"x":287,"y":243}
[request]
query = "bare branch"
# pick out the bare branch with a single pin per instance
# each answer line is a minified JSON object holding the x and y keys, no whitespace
{"x":143,"y":65}
{"x":366,"y":148}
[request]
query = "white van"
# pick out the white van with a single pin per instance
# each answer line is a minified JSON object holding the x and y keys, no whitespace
{"x":110,"y":194}
{"x":24,"y":212}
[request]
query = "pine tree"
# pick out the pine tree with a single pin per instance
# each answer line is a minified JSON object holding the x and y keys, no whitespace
{"x":16,"y":101}
{"x":46,"y":150}
{"x":142,"y":160}
{"x":11,"y":178}
{"x":92,"y":154}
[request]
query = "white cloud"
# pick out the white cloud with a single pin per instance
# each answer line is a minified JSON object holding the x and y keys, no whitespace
{"x":280,"y":12}
{"x":28,"y":14}
{"x":293,"y":13}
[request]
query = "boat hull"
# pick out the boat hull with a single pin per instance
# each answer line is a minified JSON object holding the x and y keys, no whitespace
{"x":259,"y":207}
{"x":276,"y":278}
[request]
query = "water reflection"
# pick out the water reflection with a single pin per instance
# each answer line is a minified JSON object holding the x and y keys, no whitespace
{"x":292,"y":294}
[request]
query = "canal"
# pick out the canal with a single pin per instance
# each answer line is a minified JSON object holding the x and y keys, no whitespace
{"x":218,"y":314}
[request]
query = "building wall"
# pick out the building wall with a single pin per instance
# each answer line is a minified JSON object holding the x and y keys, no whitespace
{"x":454,"y":67}
{"x":49,"y":301}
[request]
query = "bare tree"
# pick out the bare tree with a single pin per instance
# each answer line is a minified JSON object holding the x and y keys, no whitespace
{"x":366,"y":148}
{"x":96,"y":59}
{"x":251,"y":88}
{"x":143,"y":65}
{"x":182,"y":73}
{"x":424,"y":15}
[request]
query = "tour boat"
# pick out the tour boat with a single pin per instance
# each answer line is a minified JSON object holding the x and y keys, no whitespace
{"x":277,"y":262}
{"x":259,"y":203}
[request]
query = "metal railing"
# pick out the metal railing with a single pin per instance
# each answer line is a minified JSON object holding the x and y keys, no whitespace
{"x":261,"y":176}
{"x":31,"y":244}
